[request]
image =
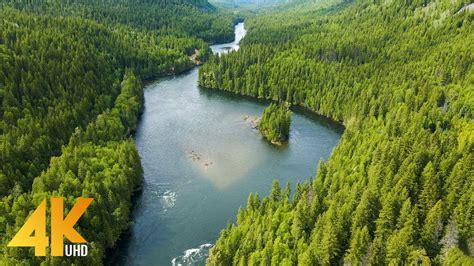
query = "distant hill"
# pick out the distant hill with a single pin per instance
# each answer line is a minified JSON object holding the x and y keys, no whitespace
{"x":177,"y":17}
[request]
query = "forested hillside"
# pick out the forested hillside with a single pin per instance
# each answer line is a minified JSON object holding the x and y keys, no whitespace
{"x":399,"y":187}
{"x":71,"y":95}
{"x":176,"y":17}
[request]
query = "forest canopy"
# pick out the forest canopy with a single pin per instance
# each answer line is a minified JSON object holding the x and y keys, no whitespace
{"x":275,"y":123}
{"x":71,"y":95}
{"x":182,"y":18}
{"x":399,"y":187}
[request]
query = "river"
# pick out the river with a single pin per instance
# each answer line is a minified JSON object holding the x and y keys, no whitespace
{"x":201,"y":158}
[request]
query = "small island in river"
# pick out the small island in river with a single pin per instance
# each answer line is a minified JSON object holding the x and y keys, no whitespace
{"x":275,"y":123}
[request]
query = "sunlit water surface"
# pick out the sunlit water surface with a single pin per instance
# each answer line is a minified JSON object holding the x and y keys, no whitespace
{"x":202,"y":157}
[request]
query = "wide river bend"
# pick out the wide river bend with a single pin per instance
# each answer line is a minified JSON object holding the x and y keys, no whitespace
{"x":201,"y":158}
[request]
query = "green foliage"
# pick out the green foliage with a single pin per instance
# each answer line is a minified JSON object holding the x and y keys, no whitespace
{"x":60,"y":73}
{"x":457,"y":257}
{"x":71,"y":96}
{"x":275,"y":123}
{"x":101,"y":163}
{"x":181,"y":18}
{"x":398,"y":187}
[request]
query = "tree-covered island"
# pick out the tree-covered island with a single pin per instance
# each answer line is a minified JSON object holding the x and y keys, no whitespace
{"x":275,"y":123}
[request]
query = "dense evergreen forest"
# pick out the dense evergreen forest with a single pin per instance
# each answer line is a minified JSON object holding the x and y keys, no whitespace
{"x":173,"y":17}
{"x":71,"y":95}
{"x":275,"y":123}
{"x":399,"y":187}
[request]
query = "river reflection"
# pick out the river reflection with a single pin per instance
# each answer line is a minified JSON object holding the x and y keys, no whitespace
{"x":201,"y":158}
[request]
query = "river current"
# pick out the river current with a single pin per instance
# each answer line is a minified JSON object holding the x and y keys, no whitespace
{"x":202,"y":157}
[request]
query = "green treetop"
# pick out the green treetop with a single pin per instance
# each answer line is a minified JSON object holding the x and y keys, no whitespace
{"x":275,"y":123}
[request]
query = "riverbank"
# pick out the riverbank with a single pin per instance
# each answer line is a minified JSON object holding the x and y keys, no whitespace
{"x":184,"y":203}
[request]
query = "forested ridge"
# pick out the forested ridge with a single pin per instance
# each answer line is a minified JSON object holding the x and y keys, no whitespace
{"x":399,"y":187}
{"x":174,"y":17}
{"x":71,"y":96}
